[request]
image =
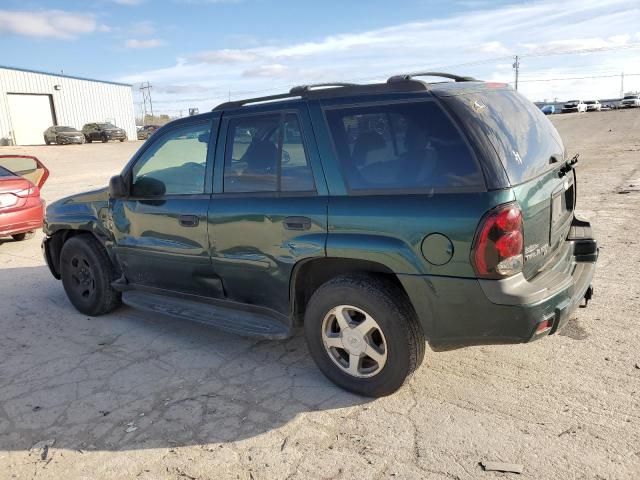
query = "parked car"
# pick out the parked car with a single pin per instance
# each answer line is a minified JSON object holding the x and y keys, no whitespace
{"x":548,"y":109}
{"x":574,"y":106}
{"x":103,"y":132}
{"x":21,"y":208}
{"x":630,"y":101}
{"x":146,"y":131}
{"x":62,"y":135}
{"x":593,"y":105}
{"x":389,"y":215}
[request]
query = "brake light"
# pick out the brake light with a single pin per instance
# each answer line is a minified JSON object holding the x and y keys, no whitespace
{"x":32,"y":191}
{"x":498,"y":247}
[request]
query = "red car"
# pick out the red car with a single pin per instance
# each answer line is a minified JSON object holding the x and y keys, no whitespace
{"x":21,"y":208}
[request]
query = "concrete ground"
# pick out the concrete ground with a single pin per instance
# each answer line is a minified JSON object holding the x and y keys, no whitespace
{"x":130,"y":395}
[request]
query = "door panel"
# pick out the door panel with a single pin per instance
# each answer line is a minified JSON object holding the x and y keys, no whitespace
{"x":254,"y":252}
{"x":156,"y":250}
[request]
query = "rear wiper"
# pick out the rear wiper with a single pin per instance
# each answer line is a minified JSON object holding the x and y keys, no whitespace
{"x":568,"y":165}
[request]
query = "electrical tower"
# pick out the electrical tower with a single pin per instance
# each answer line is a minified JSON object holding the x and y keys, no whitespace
{"x":146,"y":97}
{"x":516,"y":67}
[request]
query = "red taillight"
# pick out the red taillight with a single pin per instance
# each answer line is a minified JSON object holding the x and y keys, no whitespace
{"x":32,"y":191}
{"x":498,"y":246}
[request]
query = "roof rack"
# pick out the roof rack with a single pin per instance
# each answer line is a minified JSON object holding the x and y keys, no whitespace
{"x":307,"y":88}
{"x":408,"y":76}
{"x":298,"y":91}
{"x":397,"y":83}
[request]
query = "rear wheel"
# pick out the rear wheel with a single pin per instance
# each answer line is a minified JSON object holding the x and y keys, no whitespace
{"x":18,"y":237}
{"x":363,"y":334}
{"x":46,"y":141}
{"x":87,"y":139}
{"x":87,"y":273}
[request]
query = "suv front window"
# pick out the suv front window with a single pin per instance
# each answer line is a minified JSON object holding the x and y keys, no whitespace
{"x":401,"y":146}
{"x":175,"y":162}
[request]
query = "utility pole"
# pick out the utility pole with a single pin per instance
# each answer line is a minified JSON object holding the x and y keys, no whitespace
{"x":146,"y":97}
{"x":516,"y":66}
{"x":621,"y":84}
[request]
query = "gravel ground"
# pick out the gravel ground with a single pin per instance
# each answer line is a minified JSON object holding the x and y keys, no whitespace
{"x":130,"y":395}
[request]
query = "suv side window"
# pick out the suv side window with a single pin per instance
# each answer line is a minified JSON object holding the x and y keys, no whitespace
{"x":401,"y":146}
{"x":174,"y":164}
{"x":265,"y":153}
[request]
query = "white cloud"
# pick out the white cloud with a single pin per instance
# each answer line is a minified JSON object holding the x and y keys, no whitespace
{"x":46,"y":23}
{"x":148,"y":43}
{"x":275,"y":70}
{"x":479,"y":43}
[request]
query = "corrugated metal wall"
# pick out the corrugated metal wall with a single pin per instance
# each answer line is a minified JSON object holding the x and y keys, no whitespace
{"x":76,"y":103}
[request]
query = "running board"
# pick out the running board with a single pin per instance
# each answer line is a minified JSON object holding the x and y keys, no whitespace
{"x":232,"y":320}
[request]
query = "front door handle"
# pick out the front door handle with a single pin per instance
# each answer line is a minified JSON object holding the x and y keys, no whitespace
{"x":189,"y":220}
{"x":297,"y":223}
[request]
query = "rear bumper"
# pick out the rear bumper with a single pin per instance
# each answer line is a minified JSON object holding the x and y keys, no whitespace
{"x":21,"y":221}
{"x":458,"y":312}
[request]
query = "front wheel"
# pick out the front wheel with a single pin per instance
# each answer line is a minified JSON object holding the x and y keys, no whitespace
{"x":87,"y":273}
{"x":363,"y":334}
{"x":87,"y":139}
{"x":104,"y":139}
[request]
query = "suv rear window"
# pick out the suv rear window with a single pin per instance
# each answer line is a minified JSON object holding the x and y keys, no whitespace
{"x":401,"y":146}
{"x":522,"y":136}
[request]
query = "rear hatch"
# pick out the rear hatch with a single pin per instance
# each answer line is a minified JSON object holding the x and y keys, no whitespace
{"x":532,"y":153}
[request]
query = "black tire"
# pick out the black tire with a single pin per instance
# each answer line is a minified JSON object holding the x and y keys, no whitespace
{"x":47,"y":142}
{"x":122,"y":140}
{"x":87,"y":139}
{"x":19,"y":237}
{"x":389,"y":306}
{"x":104,"y":139}
{"x":86,"y":274}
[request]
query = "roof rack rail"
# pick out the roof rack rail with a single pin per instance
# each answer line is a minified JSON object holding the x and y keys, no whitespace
{"x":408,"y":76}
{"x":268,"y":98}
{"x":306,"y":88}
{"x":298,"y":91}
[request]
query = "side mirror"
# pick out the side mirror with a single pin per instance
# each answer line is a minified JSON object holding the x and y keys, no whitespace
{"x":117,"y":187}
{"x":148,"y":187}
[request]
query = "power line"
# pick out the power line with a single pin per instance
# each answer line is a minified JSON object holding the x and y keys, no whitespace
{"x":577,"y":78}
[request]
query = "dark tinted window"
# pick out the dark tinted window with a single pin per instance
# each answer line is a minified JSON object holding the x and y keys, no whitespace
{"x":175,"y":163}
{"x":6,"y":173}
{"x":265,"y":153}
{"x":523,"y":137}
{"x":401,"y":146}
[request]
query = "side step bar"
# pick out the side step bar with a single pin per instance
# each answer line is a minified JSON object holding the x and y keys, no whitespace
{"x":232,"y":320}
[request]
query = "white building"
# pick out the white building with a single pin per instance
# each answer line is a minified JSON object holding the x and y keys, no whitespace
{"x":32,"y":101}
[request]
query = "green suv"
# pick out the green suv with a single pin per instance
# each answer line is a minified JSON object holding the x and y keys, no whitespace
{"x":374,"y":217}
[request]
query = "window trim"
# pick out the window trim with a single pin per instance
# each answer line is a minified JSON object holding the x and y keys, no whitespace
{"x":282,"y":113}
{"x":128,"y":174}
{"x":480,"y":188}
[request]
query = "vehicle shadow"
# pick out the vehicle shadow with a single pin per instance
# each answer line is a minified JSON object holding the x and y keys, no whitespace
{"x":131,"y":380}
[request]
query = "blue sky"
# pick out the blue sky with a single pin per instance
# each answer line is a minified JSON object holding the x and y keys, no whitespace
{"x":197,"y":52}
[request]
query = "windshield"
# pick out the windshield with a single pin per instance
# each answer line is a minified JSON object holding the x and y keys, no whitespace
{"x":65,"y":129}
{"x":572,"y":102}
{"x":630,"y":97}
{"x":590,"y":102}
{"x":106,"y":125}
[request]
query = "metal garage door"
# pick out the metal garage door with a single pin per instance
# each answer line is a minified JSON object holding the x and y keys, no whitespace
{"x":30,"y":115}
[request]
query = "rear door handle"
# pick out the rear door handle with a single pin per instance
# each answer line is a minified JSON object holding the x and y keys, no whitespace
{"x":297,"y":223}
{"x":189,"y":220}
